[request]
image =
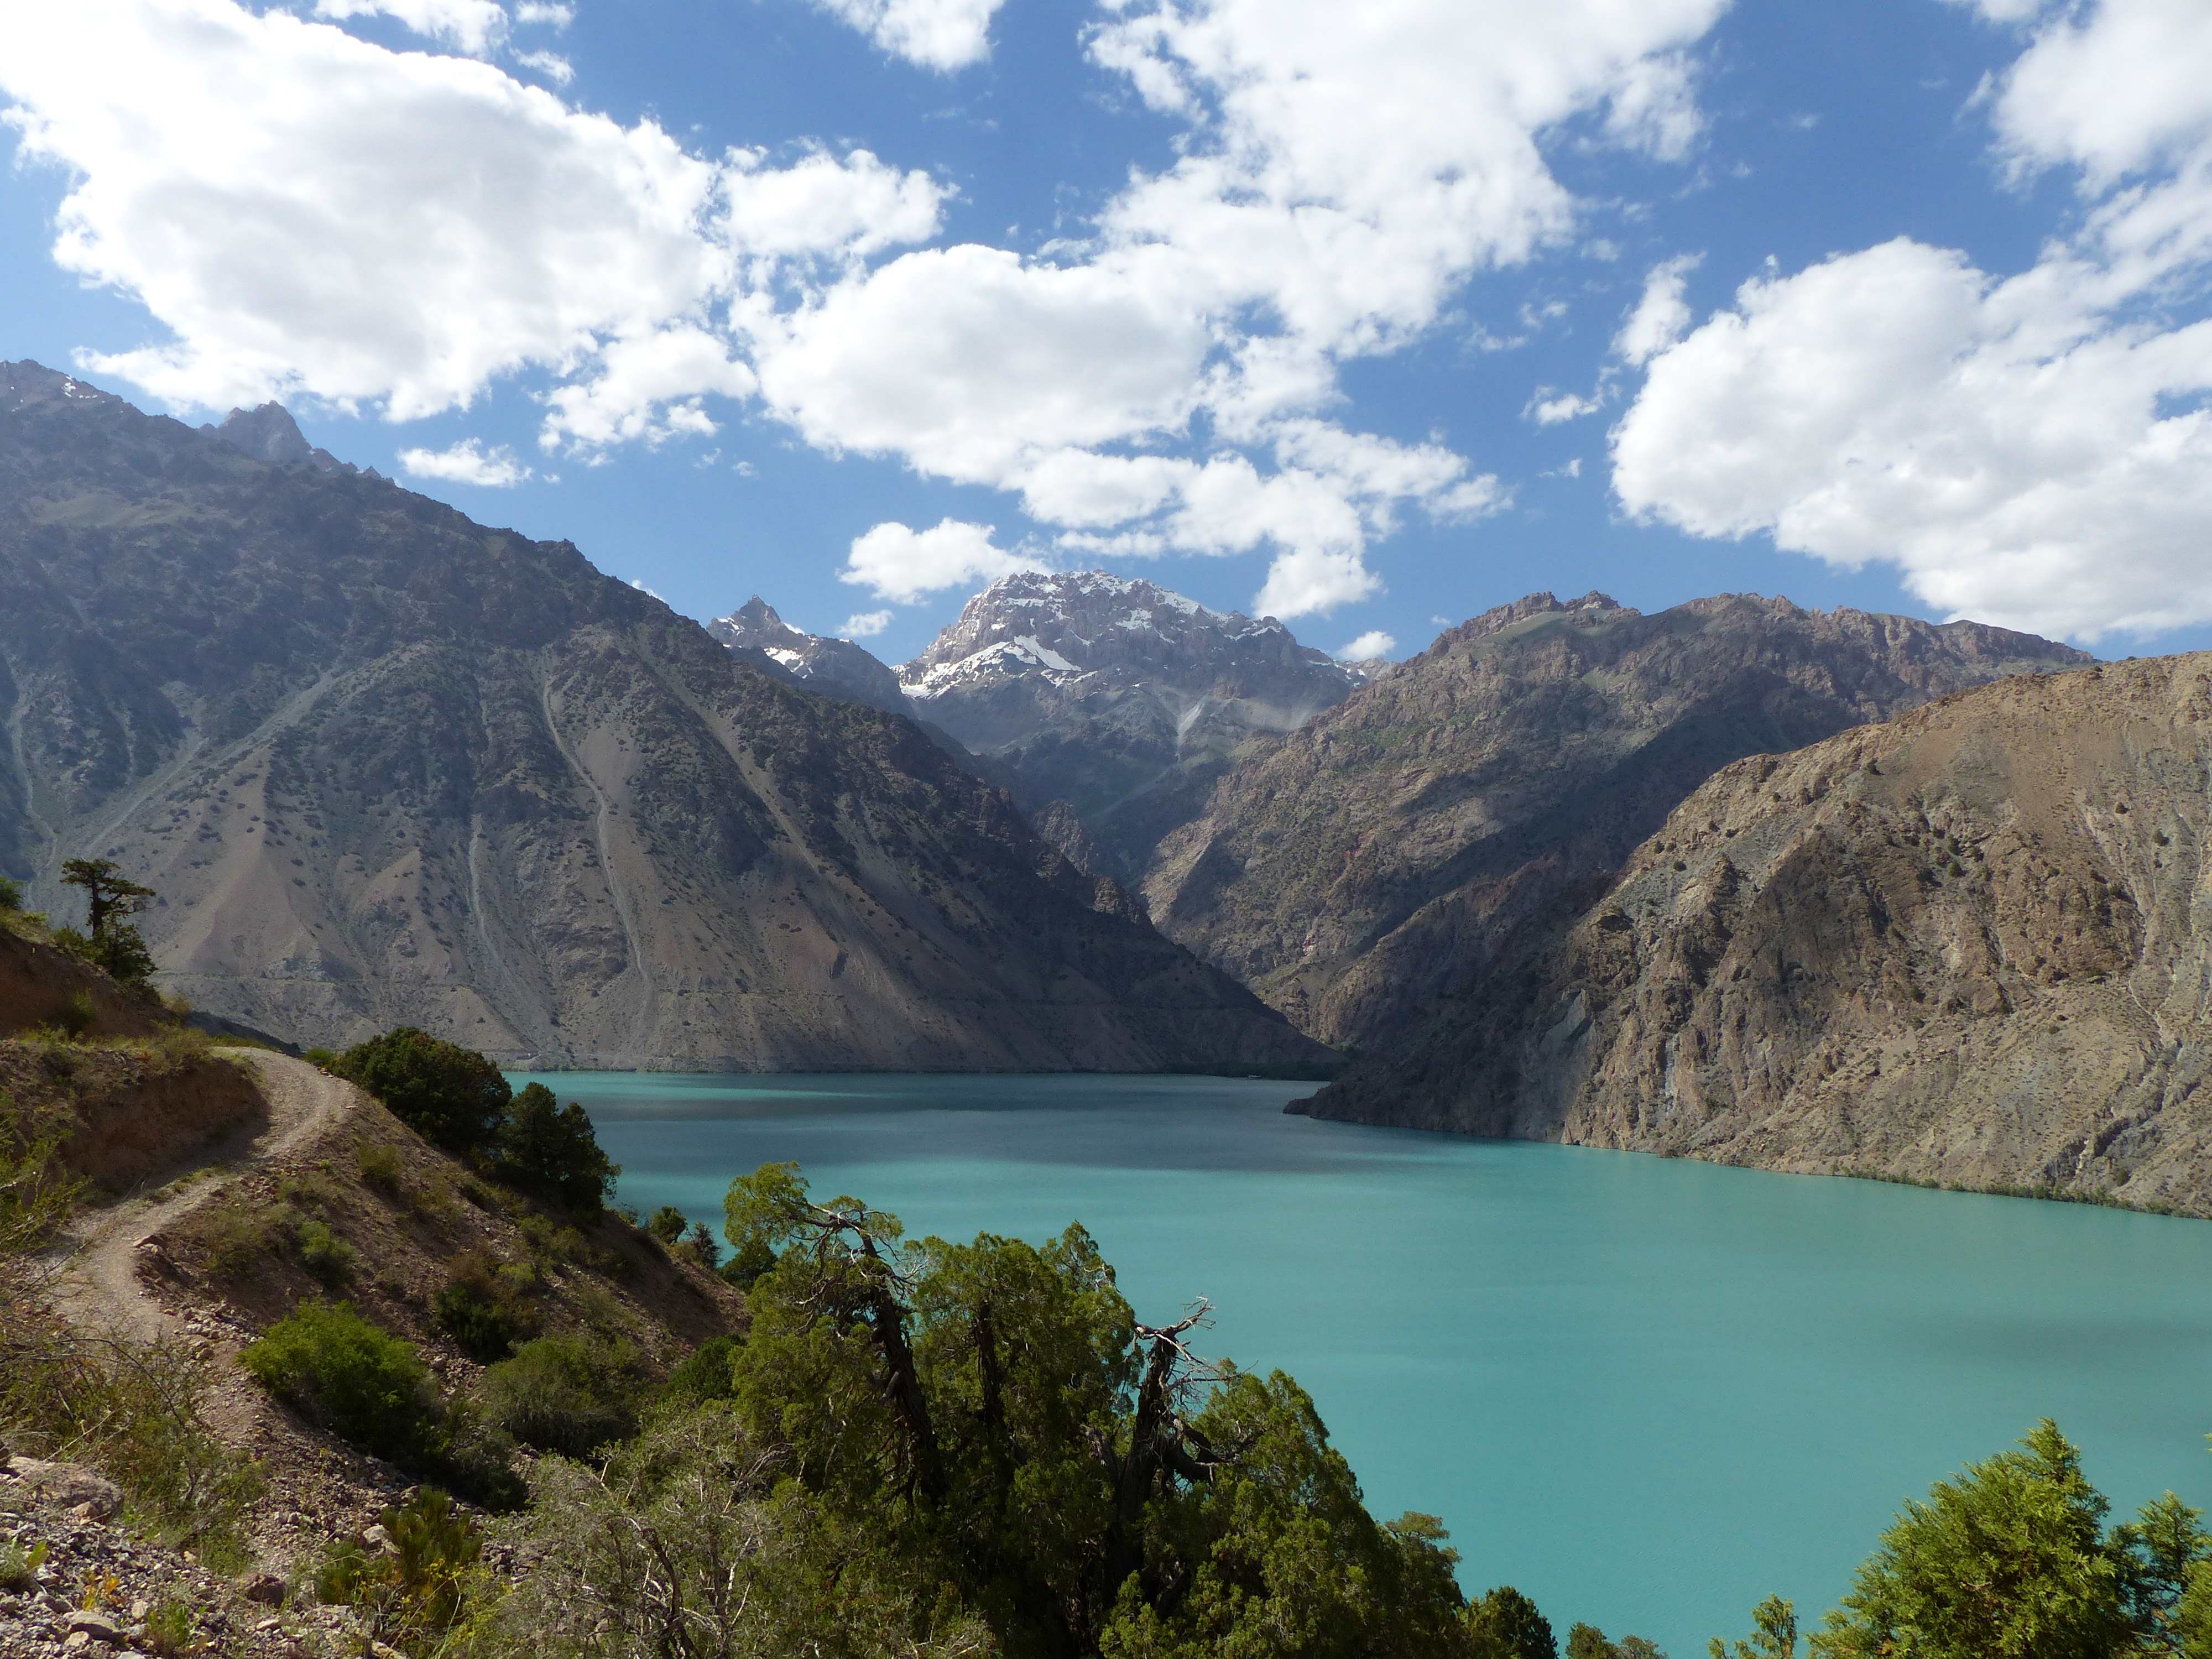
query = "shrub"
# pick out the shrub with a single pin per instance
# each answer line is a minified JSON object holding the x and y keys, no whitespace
{"x":754,"y":1258}
{"x":11,"y":895}
{"x":667,"y":1224}
{"x":325,"y":1255}
{"x":325,"y":1059}
{"x":239,"y":1242}
{"x":704,"y":1375}
{"x":355,"y":1379}
{"x":548,"y":1151}
{"x":565,"y":1394}
{"x":171,"y":1629}
{"x":19,"y":1567}
{"x":379,"y":1167}
{"x":445,"y":1093}
{"x":701,"y":1245}
{"x":420,"y":1584}
{"x":481,"y":1307}
{"x":78,"y":1018}
{"x":1506,"y":1624}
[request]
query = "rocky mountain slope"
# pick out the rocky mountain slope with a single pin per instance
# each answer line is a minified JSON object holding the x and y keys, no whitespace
{"x":1967,"y":946}
{"x":387,"y":766}
{"x":838,"y":668}
{"x":1369,"y":872}
{"x":1118,"y":697}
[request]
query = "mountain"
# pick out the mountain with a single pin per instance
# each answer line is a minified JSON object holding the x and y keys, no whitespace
{"x":1368,"y":872}
{"x":1965,"y":945}
{"x":385,"y":765}
{"x":836,"y":668}
{"x":269,"y":434}
{"x":1122,"y":699}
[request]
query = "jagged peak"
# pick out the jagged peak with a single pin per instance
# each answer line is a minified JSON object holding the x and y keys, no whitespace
{"x":269,"y":433}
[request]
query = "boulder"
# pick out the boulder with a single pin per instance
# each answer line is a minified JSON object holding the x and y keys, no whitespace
{"x":69,"y":1486}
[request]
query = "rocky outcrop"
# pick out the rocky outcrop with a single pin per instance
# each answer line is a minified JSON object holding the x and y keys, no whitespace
{"x":386,"y":766}
{"x":838,"y":668}
{"x":1968,"y":945}
{"x":1119,"y":698}
{"x":1369,"y":874}
{"x":269,"y":434}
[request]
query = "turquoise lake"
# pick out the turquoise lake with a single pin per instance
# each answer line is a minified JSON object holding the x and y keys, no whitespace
{"x":1647,"y":1392}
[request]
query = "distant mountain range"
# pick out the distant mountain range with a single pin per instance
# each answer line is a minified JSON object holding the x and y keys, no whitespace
{"x":1103,"y":702}
{"x":385,"y":765}
{"x":1819,"y":890}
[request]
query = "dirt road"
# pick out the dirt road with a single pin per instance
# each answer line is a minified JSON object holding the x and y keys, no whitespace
{"x":98,"y":1285}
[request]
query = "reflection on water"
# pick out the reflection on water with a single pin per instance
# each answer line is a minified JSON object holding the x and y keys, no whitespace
{"x":1646,"y":1392}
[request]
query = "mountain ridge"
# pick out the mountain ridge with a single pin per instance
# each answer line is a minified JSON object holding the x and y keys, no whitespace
{"x":1361,"y":873}
{"x":1959,"y":947}
{"x":1120,"y":698}
{"x":388,"y":766}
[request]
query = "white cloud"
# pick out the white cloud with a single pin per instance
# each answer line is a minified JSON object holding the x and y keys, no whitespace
{"x":467,"y":462}
{"x":551,"y":64}
{"x":939,"y":34}
{"x":545,"y":12}
{"x":1662,"y":315}
{"x":2005,"y":444}
{"x":474,"y":25}
{"x":865,"y":624}
{"x":1549,"y":406}
{"x":2034,"y":450}
{"x":902,"y":564}
{"x":1368,"y":647}
{"x":495,"y":229}
{"x":425,"y":227}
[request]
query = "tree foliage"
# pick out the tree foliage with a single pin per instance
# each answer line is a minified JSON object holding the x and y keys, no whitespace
{"x":549,"y":1150}
{"x":450,"y":1096}
{"x":995,"y":1414}
{"x":2012,"y":1561}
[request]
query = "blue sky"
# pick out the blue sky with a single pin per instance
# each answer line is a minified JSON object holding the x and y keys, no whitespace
{"x":855,"y":303}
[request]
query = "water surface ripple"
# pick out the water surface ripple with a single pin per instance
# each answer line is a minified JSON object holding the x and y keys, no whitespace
{"x":1647,"y":1392}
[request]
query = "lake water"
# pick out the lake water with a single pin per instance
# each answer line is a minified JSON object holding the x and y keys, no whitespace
{"x":1646,"y":1392}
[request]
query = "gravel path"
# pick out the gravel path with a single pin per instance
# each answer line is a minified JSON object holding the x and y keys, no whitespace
{"x":99,"y":1284}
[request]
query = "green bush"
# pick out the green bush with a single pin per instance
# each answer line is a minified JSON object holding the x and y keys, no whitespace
{"x":667,"y":1224}
{"x":565,"y":1394}
{"x":172,"y":1628}
{"x":548,"y":1151}
{"x":420,"y":1584}
{"x":480,"y":1306}
{"x":356,"y":1379}
{"x":79,"y":1017}
{"x":239,"y":1243}
{"x":445,"y":1093}
{"x":19,"y":1567}
{"x":325,"y":1255}
{"x":753,"y":1258}
{"x":327,"y":1059}
{"x":704,"y":1375}
{"x":379,"y":1167}
{"x":11,"y":895}
{"x":1506,"y":1625}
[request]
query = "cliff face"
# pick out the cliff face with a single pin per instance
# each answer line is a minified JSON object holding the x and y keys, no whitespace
{"x":1970,"y":944}
{"x":1119,"y":698}
{"x":385,"y":765}
{"x":1375,"y":868}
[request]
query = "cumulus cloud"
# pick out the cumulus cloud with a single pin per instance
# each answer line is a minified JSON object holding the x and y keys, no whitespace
{"x":2035,"y":449}
{"x":902,"y":564}
{"x":425,"y":226}
{"x":939,"y":34}
{"x":1368,"y":647}
{"x":1662,"y":316}
{"x":494,"y":229}
{"x":468,"y":463}
{"x":865,"y":624}
{"x":474,"y":25}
